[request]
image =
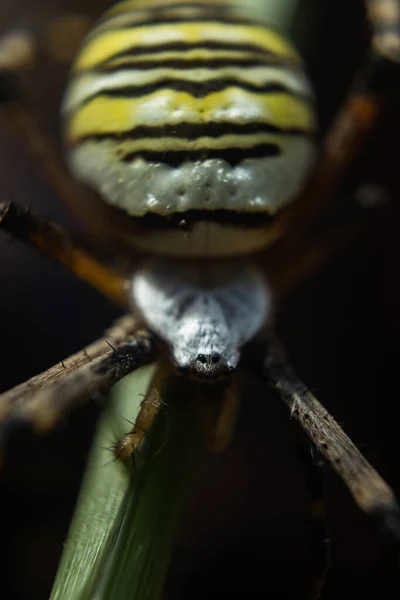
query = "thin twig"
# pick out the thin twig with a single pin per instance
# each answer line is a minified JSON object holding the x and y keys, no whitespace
{"x":48,"y":405}
{"x":53,"y":241}
{"x":369,"y":490}
{"x":120,"y":331}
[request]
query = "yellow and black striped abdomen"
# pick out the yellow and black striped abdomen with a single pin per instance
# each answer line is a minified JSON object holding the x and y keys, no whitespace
{"x":192,"y":118}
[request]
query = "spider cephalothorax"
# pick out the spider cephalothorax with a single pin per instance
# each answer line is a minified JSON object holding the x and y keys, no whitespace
{"x":204,"y":313}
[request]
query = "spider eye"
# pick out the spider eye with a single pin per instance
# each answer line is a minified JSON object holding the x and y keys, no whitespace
{"x":201,"y":358}
{"x":215,"y":358}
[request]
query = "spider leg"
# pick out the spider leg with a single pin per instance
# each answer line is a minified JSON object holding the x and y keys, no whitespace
{"x":57,"y":36}
{"x":298,"y":258}
{"x":370,"y":492}
{"x":321,"y":542}
{"x":22,"y":119}
{"x":54,"y":242}
{"x":119,"y":333}
{"x":149,"y":409}
{"x":361,"y":109}
{"x":384,"y":17}
{"x":17,"y":51}
{"x":43,"y":406}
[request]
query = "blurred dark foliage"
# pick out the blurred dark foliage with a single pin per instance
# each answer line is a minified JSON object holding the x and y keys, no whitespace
{"x":246,"y":531}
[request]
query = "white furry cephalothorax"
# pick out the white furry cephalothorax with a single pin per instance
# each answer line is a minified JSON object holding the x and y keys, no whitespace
{"x":204,"y":316}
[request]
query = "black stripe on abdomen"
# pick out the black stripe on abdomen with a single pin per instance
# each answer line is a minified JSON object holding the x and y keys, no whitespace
{"x":196,"y":89}
{"x":193,"y":63}
{"x":185,"y":220}
{"x":138,"y":50}
{"x":192,"y":131}
{"x":233,"y":156}
{"x":217,"y":18}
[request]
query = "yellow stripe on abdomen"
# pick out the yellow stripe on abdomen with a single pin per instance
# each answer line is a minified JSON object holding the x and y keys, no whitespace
{"x":207,"y":115}
{"x":118,"y":115}
{"x":108,"y":44}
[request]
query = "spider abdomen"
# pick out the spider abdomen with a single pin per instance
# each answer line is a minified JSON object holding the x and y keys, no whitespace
{"x":194,"y":119}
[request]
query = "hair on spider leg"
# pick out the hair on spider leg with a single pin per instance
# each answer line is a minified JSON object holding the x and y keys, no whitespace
{"x":159,"y":399}
{"x":130,"y":443}
{"x":115,"y":443}
{"x":149,"y":409}
{"x":113,"y":348}
{"x":112,"y":460}
{"x":133,"y":423}
{"x":146,"y":433}
{"x":128,"y":421}
{"x":86,"y":354}
{"x":136,"y":452}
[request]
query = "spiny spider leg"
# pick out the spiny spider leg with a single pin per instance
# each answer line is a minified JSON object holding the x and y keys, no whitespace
{"x":53,"y":241}
{"x":370,"y":492}
{"x":118,"y":334}
{"x":149,"y":409}
{"x":48,"y":405}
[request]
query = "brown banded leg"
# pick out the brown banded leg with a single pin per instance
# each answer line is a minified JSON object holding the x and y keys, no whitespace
{"x":42,"y":409}
{"x":371,"y":493}
{"x":53,"y":241}
{"x":321,"y":543}
{"x":115,"y":336}
{"x":290,"y":264}
{"x":361,"y":109}
{"x":17,"y":53}
{"x":149,"y":409}
{"x":217,"y":406}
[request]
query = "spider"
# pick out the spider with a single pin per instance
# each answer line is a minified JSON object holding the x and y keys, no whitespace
{"x":27,"y":222}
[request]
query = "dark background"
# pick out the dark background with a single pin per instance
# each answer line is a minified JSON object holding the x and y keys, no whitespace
{"x":246,"y":531}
